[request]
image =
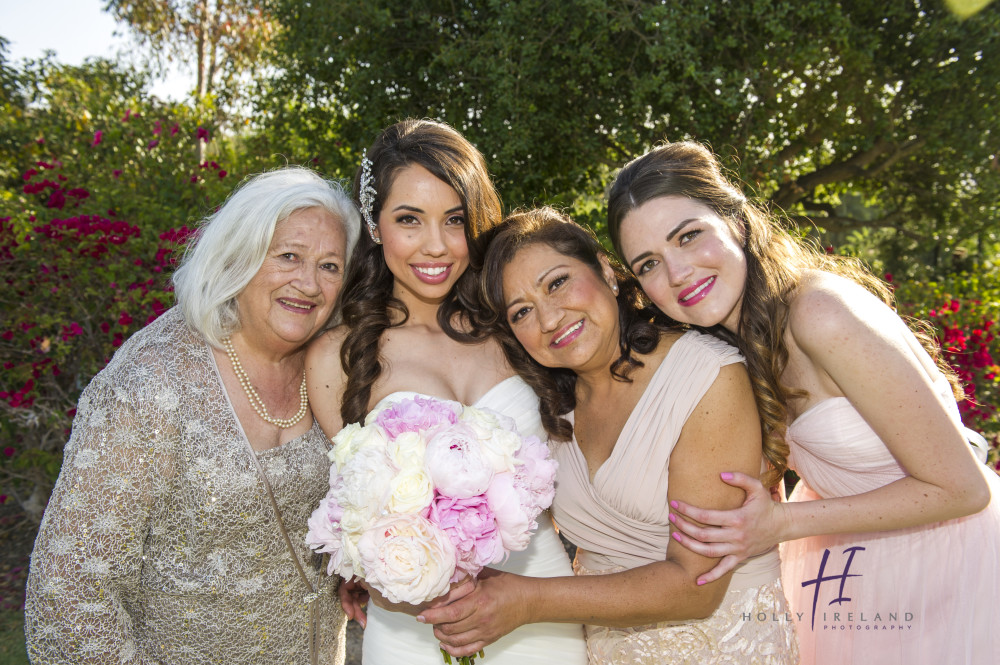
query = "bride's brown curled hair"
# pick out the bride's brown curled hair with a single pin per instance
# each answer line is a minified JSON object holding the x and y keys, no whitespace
{"x":776,"y":263}
{"x":640,"y":324}
{"x":366,"y":296}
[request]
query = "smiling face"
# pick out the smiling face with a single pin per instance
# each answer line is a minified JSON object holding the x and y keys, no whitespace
{"x":422,"y":227}
{"x":688,"y":260}
{"x":293,"y":294}
{"x":561,"y":311}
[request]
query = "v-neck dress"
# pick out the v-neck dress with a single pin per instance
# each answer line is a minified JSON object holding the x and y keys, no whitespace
{"x":619,"y":520}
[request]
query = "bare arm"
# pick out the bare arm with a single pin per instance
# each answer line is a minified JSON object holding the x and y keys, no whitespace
{"x":872,"y":360}
{"x":721,"y":433}
{"x":325,"y":379}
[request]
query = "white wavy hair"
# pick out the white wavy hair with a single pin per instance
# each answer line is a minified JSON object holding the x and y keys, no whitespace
{"x":232,"y":243}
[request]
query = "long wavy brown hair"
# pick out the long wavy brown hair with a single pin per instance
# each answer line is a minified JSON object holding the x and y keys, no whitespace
{"x":776,"y":263}
{"x":640,"y":324}
{"x":368,"y":303}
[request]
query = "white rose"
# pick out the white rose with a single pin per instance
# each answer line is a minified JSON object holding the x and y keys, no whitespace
{"x":352,"y":439}
{"x":498,"y":435}
{"x":408,"y":559}
{"x":411,"y":491}
{"x":407,"y":450}
{"x":457,"y":464}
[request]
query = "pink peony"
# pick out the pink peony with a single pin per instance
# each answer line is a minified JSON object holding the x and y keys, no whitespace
{"x":536,"y":475}
{"x":472,"y":528}
{"x":416,"y":414}
{"x":513,"y":520}
{"x":324,"y":535}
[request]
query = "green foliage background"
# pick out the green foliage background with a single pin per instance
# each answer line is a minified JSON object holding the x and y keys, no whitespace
{"x":870,"y":126}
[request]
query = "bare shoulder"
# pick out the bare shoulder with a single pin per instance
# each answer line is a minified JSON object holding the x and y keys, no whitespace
{"x":826,"y":309}
{"x":325,"y":350}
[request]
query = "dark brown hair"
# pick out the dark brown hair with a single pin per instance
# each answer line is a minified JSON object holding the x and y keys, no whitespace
{"x":640,"y":325}
{"x":367,"y":293}
{"x":775,"y":260}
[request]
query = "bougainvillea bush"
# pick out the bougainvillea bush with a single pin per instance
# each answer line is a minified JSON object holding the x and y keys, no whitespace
{"x":964,"y":311}
{"x":90,"y":226}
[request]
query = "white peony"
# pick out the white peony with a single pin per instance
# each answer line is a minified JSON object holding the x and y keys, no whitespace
{"x":366,"y":479}
{"x":407,"y":558}
{"x":497,"y":434}
{"x":457,"y":464}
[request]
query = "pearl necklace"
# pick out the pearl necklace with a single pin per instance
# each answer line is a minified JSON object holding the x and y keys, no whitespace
{"x":255,"y":401}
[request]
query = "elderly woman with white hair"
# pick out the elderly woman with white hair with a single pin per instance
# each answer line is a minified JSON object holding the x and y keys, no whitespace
{"x":176,"y":531}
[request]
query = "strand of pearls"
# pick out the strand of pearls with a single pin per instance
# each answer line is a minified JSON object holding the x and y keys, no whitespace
{"x":255,"y":401}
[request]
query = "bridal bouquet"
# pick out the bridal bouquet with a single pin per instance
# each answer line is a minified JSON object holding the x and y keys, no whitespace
{"x":428,"y":492}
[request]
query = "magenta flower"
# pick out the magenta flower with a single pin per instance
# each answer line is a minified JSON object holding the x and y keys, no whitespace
{"x":156,"y":127}
{"x":98,"y":135}
{"x":223,"y":173}
{"x":202,"y":134}
{"x":152,"y":144}
{"x":176,"y":128}
{"x":116,"y":173}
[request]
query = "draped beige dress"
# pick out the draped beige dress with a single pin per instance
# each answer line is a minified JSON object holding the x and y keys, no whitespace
{"x":619,"y":521}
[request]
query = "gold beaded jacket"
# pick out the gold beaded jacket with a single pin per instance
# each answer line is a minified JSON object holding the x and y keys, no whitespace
{"x":159,"y":543}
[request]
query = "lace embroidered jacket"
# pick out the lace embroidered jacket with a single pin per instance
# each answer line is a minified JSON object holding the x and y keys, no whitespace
{"x":159,"y":544}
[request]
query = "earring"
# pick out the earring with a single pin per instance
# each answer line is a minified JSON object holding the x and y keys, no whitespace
{"x":614,"y":288}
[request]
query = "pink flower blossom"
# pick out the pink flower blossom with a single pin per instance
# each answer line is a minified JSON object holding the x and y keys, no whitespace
{"x":124,"y":319}
{"x":152,"y":144}
{"x":416,"y":414}
{"x":202,"y":134}
{"x":98,"y":135}
{"x":472,"y":528}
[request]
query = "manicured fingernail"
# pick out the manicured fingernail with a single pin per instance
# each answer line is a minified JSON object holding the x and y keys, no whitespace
{"x":725,"y":475}
{"x":673,"y":504}
{"x":673,"y":520}
{"x":700,"y":582}
{"x":676,"y":536}
{"x":421,"y":619}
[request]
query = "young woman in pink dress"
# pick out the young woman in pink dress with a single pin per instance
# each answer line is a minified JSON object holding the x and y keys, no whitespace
{"x":893,"y":552}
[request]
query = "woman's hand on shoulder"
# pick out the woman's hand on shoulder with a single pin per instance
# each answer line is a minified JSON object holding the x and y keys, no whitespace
{"x":721,"y":434}
{"x":325,"y":379}
{"x":731,"y":535}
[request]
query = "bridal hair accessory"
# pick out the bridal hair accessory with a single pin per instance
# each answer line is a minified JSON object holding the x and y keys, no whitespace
{"x":366,"y":196}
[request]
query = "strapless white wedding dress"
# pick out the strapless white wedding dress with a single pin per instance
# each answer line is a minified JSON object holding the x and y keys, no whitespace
{"x":395,"y":638}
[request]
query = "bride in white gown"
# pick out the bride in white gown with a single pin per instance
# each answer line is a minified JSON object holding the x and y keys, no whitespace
{"x":409,"y":328}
